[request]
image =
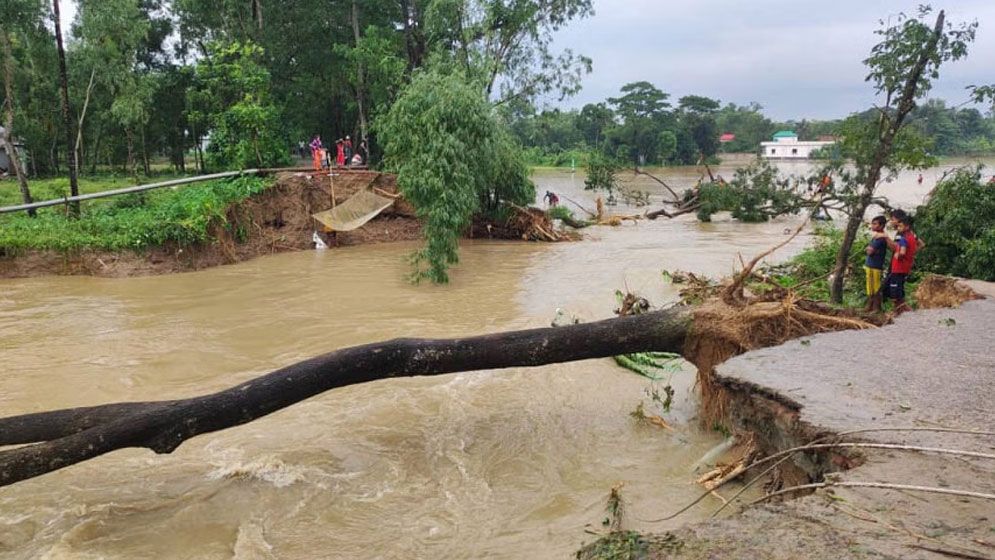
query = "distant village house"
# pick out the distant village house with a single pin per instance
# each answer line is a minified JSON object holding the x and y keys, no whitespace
{"x":4,"y":158}
{"x":785,"y":145}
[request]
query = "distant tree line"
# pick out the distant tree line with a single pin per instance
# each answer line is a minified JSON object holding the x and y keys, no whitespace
{"x":642,"y":126}
{"x":248,"y":80}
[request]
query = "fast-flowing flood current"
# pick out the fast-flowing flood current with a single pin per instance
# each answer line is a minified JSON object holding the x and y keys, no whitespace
{"x":500,"y":464}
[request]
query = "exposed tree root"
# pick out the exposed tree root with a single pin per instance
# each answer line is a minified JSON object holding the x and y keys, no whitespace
{"x":943,"y":291}
{"x":743,"y":454}
{"x":528,"y":224}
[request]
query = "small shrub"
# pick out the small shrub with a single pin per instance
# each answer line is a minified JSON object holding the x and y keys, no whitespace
{"x":810,"y":269}
{"x":957,"y":225}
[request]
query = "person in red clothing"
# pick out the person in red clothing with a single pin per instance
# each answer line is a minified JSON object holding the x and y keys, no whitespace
{"x":824,"y":185}
{"x":904,"y":248}
{"x":340,"y":153}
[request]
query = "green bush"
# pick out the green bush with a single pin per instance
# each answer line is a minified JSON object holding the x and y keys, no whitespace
{"x":810,"y":269}
{"x":957,"y":225}
{"x":560,"y":213}
{"x":184,"y":216}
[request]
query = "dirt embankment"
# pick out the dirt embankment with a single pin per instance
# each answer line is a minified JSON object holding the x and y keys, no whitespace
{"x":277,"y":220}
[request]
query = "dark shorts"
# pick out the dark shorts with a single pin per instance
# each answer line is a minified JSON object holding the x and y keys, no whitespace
{"x":893,"y":286}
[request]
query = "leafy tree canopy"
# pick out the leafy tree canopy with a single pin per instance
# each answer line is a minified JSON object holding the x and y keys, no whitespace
{"x":453,"y":159}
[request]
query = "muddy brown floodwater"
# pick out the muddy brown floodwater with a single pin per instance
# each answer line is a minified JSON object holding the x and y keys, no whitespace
{"x":503,"y":464}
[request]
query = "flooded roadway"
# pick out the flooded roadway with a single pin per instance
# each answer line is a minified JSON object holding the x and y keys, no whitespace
{"x":504,"y":464}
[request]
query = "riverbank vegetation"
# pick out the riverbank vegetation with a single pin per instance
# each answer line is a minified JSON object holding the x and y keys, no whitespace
{"x":180,"y":217}
{"x":226,"y":85}
{"x":58,"y":187}
{"x":902,"y":68}
{"x":808,"y":273}
{"x":958,"y":224}
{"x":237,"y":87}
{"x":175,"y":79}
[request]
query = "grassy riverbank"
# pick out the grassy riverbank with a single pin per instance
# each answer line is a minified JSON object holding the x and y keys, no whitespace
{"x":135,"y":221}
{"x":58,"y":187}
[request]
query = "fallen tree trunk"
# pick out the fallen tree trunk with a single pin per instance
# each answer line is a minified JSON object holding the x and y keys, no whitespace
{"x":75,"y":435}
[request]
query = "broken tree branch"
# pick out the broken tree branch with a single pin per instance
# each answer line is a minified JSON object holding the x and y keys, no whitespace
{"x":877,"y":485}
{"x":658,"y":180}
{"x":735,"y":289}
{"x":679,"y":212}
{"x":577,"y":204}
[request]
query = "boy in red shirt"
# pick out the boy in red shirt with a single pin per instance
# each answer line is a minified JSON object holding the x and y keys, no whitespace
{"x":904,"y":248}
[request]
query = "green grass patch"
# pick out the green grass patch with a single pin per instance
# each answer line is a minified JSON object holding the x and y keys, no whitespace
{"x":540,"y":158}
{"x":58,"y":187}
{"x":808,"y":272}
{"x":136,"y":221}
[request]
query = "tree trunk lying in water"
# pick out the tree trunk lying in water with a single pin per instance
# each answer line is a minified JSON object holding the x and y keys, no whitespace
{"x":71,"y":436}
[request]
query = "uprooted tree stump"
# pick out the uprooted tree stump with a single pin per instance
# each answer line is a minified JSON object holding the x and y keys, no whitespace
{"x":705,"y":334}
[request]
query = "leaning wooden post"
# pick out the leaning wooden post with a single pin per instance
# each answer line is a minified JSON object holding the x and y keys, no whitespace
{"x":331,"y":182}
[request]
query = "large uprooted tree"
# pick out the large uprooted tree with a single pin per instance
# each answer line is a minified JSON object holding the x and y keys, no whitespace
{"x":728,"y":323}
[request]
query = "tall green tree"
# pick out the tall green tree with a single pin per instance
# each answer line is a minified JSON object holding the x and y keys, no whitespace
{"x":66,"y":120}
{"x":506,"y":45}
{"x":644,"y":112}
{"x":15,"y":12}
{"x":696,"y":116}
{"x":232,"y":98}
{"x":594,"y":120}
{"x":452,"y":160}
{"x":108,"y":37}
{"x":902,"y":67}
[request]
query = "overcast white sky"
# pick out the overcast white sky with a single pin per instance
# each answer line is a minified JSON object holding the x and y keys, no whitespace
{"x":797,"y":58}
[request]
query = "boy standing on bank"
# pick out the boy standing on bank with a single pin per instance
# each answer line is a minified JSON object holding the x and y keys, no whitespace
{"x":904,"y":248}
{"x":874,"y":264}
